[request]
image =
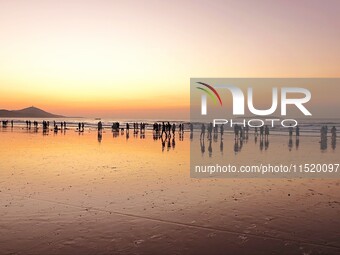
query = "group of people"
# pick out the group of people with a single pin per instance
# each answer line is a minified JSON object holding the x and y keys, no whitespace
{"x":297,"y":131}
{"x":167,"y":129}
{"x":55,"y":125}
{"x":324,"y":132}
{"x":5,"y":123}
{"x":81,"y":127}
{"x":139,"y":127}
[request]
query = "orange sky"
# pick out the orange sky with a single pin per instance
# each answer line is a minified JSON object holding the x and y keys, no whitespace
{"x":134,"y":59}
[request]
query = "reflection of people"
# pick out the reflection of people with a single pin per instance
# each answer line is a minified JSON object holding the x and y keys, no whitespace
{"x":163,"y":143}
{"x":323,"y":144}
{"x":210,"y":148}
{"x":290,"y":143}
{"x":100,"y":136}
{"x":333,"y":143}
{"x":221,"y":146}
{"x":236,"y":146}
{"x":261,"y":142}
{"x":297,"y":142}
{"x":202,"y":146}
{"x":266,"y":144}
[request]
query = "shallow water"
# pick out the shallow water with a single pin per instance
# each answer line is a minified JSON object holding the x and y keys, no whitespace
{"x":75,"y":192}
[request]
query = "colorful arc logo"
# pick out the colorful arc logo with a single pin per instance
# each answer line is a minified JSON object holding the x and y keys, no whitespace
{"x":209,"y":90}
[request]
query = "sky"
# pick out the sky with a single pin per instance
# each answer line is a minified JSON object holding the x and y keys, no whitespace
{"x":134,"y":59}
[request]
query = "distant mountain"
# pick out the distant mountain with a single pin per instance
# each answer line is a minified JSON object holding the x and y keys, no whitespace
{"x":30,"y":112}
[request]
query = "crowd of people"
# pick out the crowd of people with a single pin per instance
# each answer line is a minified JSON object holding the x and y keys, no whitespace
{"x":167,"y":129}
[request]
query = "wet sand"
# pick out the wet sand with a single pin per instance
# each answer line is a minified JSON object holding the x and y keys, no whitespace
{"x":71,"y":194}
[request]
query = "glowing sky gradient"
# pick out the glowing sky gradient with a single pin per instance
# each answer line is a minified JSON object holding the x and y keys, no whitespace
{"x":134,"y":59}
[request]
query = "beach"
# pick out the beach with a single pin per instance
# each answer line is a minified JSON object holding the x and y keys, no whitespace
{"x":75,"y":192}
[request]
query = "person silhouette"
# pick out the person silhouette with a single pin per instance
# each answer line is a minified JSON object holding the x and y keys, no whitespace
{"x":202,"y":131}
{"x":100,"y":126}
{"x":261,"y":132}
{"x":222,"y":130}
{"x":236,"y":131}
{"x":266,"y":132}
{"x":290,"y":130}
{"x":173,"y":129}
{"x":210,"y":129}
{"x":297,"y":131}
{"x":333,"y":132}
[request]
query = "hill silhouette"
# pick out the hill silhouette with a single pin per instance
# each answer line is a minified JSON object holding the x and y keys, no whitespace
{"x":30,"y":112}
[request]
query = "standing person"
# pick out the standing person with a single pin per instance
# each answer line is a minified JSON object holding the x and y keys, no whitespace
{"x":236,"y":131}
{"x":297,"y":131}
{"x":266,"y":132}
{"x":65,"y":124}
{"x":256,"y":131}
{"x":163,"y":128}
{"x":100,"y":126}
{"x":173,"y":129}
{"x":247,"y":130}
{"x":222,"y":130}
{"x":261,"y":131}
{"x":333,"y":131}
{"x":210,"y":129}
{"x":12,"y":123}
{"x":290,"y":130}
{"x":83,"y":126}
{"x":79,"y":126}
{"x":202,"y":131}
{"x":241,"y":130}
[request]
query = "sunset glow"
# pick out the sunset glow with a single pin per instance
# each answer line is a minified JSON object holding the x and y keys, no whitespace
{"x":135,"y":59}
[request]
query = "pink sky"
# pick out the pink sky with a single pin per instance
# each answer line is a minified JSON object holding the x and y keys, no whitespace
{"x":136,"y":58}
